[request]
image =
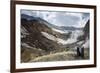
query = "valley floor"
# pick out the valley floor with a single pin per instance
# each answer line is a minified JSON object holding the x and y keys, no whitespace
{"x":59,"y":56}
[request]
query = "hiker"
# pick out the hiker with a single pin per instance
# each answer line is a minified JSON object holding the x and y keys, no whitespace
{"x":82,"y":52}
{"x":78,"y":51}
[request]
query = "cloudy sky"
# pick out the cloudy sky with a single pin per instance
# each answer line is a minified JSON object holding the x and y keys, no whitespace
{"x":61,"y":18}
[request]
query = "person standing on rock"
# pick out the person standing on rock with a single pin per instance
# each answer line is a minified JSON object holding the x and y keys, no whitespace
{"x":82,"y":52}
{"x":78,"y":51}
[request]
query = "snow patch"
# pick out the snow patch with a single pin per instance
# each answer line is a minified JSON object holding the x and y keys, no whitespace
{"x":60,"y":31}
{"x":26,"y":45}
{"x":49,"y":36}
{"x":64,"y":42}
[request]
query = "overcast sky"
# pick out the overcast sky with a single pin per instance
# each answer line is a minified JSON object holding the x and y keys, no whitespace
{"x":61,"y":18}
